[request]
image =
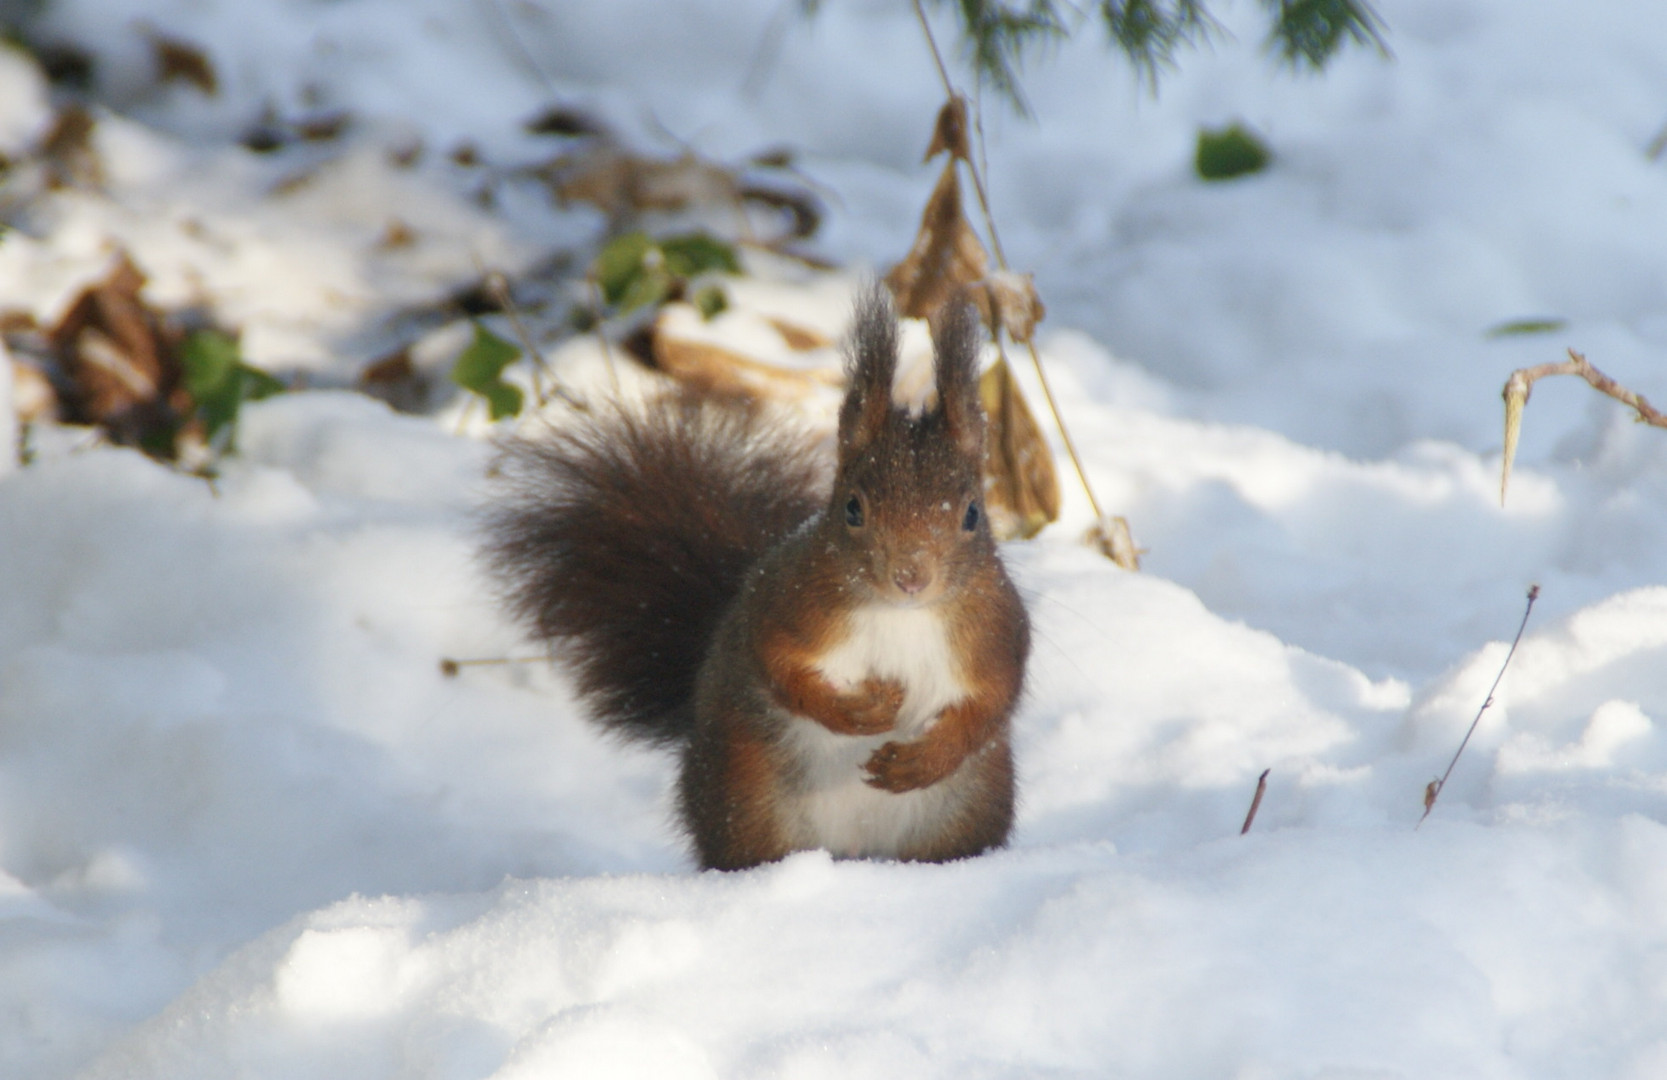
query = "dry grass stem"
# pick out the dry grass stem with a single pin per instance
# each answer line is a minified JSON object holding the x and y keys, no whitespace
{"x":1521,"y":384}
{"x":1256,"y":801}
{"x":1432,"y":791}
{"x":451,"y":667}
{"x":498,"y":285}
{"x":1001,"y":262}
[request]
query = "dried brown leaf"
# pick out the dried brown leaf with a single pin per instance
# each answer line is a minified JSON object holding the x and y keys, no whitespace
{"x":120,"y":360}
{"x":1114,"y":540}
{"x":949,"y":135}
{"x":67,"y":150}
{"x":947,"y":254}
{"x":711,"y":367}
{"x":33,"y":397}
{"x":322,"y":127}
{"x":799,"y":338}
{"x":1009,"y":301}
{"x":1021,"y":487}
{"x":566,"y":121}
{"x":397,"y":380}
{"x":802,"y":209}
{"x":618,"y":183}
{"x":176,"y":60}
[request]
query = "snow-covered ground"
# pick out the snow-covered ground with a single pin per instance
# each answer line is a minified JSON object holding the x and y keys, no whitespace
{"x":248,"y":828}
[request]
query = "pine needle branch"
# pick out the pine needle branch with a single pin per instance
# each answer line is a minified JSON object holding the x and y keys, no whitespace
{"x":1433,"y":790}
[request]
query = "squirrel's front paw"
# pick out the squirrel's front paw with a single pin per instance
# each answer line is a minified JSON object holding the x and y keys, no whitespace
{"x":907,"y":766}
{"x":870,"y":709}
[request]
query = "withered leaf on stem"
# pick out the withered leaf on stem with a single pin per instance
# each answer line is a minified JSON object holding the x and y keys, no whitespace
{"x":1021,"y":487}
{"x":947,"y":254}
{"x":1009,"y":301}
{"x":949,"y":135}
{"x":1111,"y":535}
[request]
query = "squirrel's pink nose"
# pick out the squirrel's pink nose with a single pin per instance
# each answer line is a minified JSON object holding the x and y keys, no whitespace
{"x":912,"y":579}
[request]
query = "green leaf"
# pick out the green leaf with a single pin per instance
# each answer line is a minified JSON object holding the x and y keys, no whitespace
{"x":480,"y":367}
{"x":648,"y":288}
{"x":711,"y":302}
{"x":257,"y":384}
{"x":696,"y":253}
{"x":209,"y":359}
{"x":620,"y":263}
{"x":634,"y":271}
{"x":1520,"y":327}
{"x":1229,"y":152}
{"x":219,"y":382}
{"x":503,"y":399}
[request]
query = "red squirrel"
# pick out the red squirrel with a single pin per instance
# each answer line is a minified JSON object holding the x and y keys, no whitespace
{"x":837,"y":666}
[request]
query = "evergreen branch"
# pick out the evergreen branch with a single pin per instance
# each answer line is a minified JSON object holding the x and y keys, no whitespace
{"x":1150,"y":32}
{"x":1310,"y":32}
{"x":997,"y":33}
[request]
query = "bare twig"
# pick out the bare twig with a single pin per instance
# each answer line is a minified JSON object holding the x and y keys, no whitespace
{"x":498,"y":285}
{"x":1521,"y":383}
{"x":593,"y":292}
{"x":1432,"y":791}
{"x":1001,"y":261}
{"x":1256,"y":801}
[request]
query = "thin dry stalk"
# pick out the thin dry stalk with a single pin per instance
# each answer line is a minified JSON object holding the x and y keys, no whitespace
{"x":1432,"y":791}
{"x":594,"y":293}
{"x":1001,"y":261}
{"x":498,"y":285}
{"x":1256,"y":801}
{"x":1521,"y":383}
{"x":451,"y":667}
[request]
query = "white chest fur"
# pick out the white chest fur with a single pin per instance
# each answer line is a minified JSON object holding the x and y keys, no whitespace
{"x":908,"y":644}
{"x":832,"y":807}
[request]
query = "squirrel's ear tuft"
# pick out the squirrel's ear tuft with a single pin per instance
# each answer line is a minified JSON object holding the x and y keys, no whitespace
{"x":870,"y":369}
{"x":955,"y":341}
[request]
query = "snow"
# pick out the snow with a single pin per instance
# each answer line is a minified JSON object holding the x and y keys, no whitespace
{"x":249,"y":828}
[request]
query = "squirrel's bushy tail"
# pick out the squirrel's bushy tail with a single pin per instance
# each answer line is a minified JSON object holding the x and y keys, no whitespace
{"x":622,"y":538}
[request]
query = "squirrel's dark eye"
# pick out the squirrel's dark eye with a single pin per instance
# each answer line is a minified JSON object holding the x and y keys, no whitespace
{"x":853,"y":512}
{"x":970,"y":522}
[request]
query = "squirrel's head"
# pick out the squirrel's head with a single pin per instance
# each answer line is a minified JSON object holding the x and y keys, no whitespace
{"x":908,"y":502}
